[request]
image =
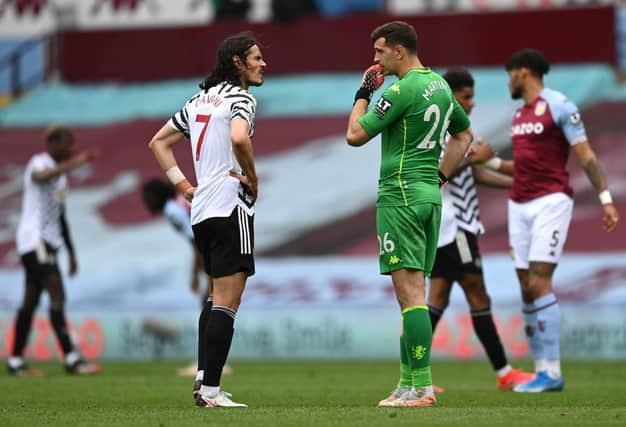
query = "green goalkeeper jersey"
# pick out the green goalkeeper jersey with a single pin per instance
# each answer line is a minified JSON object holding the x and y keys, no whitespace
{"x":413,"y":115}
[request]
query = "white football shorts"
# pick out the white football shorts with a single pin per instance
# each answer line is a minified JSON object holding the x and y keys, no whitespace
{"x":538,"y":228}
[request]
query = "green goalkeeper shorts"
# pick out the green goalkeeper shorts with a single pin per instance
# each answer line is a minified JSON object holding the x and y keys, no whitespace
{"x":407,"y":237}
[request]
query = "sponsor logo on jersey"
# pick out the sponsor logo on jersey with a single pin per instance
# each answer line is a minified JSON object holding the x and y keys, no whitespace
{"x":540,"y":108}
{"x":382,"y":106}
{"x":527,"y":128}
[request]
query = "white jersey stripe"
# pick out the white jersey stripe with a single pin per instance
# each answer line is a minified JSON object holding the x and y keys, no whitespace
{"x":246,"y":228}
{"x":241,"y":232}
{"x":464,"y":250}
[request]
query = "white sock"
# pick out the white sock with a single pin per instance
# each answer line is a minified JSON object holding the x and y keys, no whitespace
{"x":200,"y":375}
{"x":15,"y":361}
{"x":209,"y":391}
{"x":71,"y":358}
{"x":553,"y":367}
{"x":503,"y":371}
{"x":540,"y":365}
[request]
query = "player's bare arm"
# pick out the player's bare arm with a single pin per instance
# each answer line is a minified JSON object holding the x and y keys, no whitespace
{"x":356,"y":135}
{"x":455,"y":151}
{"x":482,"y":154}
{"x":491,"y":178}
{"x":242,"y":149}
{"x":589,"y":162}
{"x":65,"y":166}
{"x":161,"y":146}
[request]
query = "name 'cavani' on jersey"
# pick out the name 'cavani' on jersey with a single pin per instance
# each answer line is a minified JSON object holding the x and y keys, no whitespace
{"x":205,"y":120}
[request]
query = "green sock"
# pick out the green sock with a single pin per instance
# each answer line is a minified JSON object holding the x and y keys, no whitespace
{"x":418,"y":337}
{"x":405,"y":371}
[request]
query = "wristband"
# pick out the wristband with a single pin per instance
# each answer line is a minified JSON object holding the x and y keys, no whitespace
{"x":175,"y":175}
{"x":493,"y":163}
{"x":177,"y":178}
{"x":363,"y":93}
{"x":605,"y":197}
{"x":443,"y":180}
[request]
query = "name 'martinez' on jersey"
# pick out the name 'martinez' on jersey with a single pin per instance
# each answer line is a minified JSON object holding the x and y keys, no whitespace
{"x":413,"y":116}
{"x":205,"y":121}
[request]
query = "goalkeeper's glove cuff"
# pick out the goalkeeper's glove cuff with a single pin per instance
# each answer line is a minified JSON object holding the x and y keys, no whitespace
{"x":443,"y":180}
{"x":363,"y":93}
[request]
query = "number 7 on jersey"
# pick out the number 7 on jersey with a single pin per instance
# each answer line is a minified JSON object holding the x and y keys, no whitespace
{"x":201,"y":118}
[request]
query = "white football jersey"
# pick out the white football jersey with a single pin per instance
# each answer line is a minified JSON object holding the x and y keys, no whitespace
{"x":41,"y":207}
{"x":205,"y":120}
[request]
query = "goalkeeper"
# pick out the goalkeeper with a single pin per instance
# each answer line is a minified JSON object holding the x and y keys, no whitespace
{"x":413,"y":115}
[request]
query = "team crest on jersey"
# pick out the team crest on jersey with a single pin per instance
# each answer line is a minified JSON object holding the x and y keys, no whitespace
{"x":382,"y":106}
{"x":395,"y":87}
{"x":540,"y":108}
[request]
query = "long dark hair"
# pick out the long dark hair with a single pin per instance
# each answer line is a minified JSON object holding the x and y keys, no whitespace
{"x":224,"y":69}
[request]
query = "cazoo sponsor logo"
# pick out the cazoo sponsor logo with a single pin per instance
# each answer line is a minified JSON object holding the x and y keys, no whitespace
{"x":527,"y":128}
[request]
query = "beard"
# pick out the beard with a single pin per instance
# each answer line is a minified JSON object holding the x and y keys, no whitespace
{"x":516,"y":93}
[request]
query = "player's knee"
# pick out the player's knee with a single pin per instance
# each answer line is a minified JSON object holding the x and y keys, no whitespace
{"x":475,"y":291}
{"x":28,"y":309}
{"x":56,"y":305}
{"x":30,"y":302}
{"x":438,"y":300}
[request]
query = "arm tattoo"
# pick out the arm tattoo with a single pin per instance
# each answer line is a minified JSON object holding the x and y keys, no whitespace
{"x":594,"y":173}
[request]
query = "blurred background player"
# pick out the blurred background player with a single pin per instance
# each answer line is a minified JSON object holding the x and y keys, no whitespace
{"x":458,"y":256}
{"x":219,"y":122}
{"x":160,"y":197}
{"x":41,"y":232}
{"x":408,"y":209}
{"x":544,"y":129}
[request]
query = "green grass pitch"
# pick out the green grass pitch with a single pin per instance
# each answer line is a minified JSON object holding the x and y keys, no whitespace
{"x":308,"y":393}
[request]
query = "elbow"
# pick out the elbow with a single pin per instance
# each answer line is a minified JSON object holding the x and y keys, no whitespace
{"x":238,"y":142}
{"x":353,"y":140}
{"x":469,"y":139}
{"x":152,"y":145}
{"x":239,"y":139}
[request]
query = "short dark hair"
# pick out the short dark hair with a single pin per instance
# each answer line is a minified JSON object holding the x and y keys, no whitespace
{"x":397,"y":32}
{"x":458,"y":78}
{"x":59,"y":134}
{"x":155,"y":193}
{"x":531,"y":59}
{"x":224,"y":69}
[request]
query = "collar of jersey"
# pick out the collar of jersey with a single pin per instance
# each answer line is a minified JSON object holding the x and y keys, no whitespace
{"x":423,"y":70}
